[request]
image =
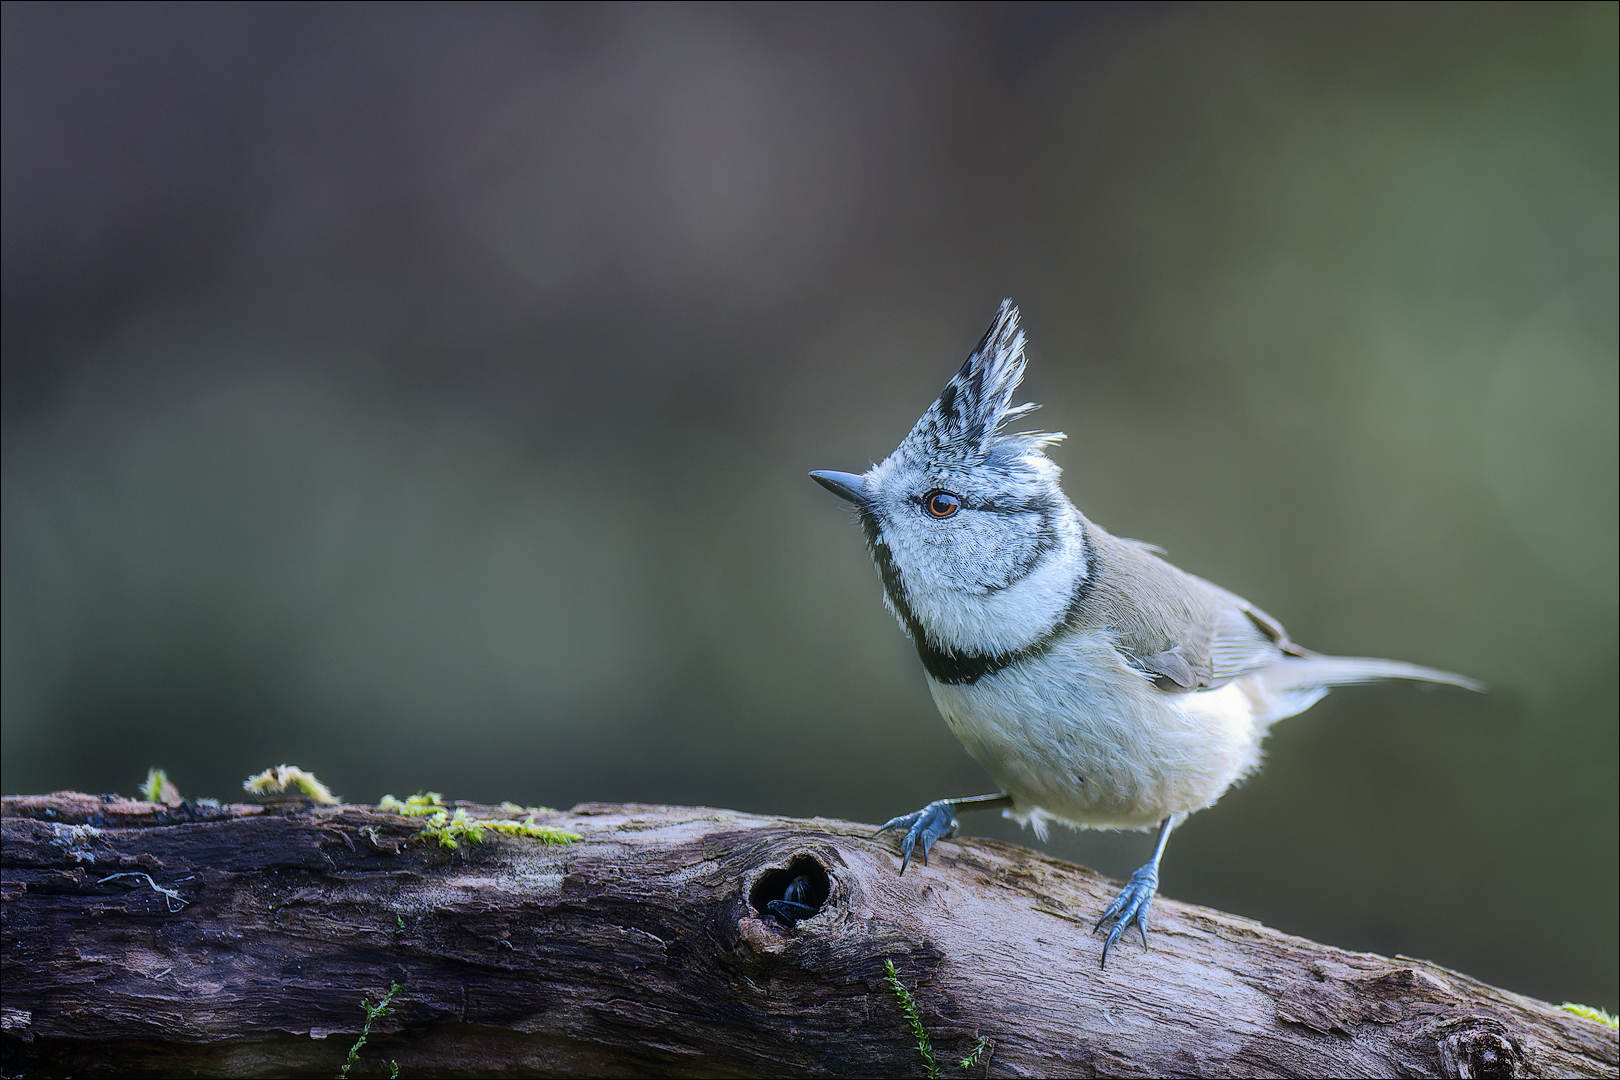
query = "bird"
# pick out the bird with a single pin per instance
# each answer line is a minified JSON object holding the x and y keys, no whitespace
{"x":1099,"y":685}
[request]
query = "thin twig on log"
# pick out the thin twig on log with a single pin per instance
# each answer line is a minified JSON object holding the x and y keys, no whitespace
{"x":241,"y":940}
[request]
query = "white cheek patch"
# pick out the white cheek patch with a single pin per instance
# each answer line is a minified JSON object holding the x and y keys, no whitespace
{"x":940,"y":574}
{"x":1001,"y":620}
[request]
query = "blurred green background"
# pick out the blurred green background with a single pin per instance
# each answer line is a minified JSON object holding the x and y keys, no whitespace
{"x":423,"y":395}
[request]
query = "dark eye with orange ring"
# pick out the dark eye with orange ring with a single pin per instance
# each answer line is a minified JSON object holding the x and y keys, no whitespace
{"x":941,"y":504}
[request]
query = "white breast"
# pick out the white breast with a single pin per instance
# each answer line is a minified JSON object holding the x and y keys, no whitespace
{"x":1079,"y":736}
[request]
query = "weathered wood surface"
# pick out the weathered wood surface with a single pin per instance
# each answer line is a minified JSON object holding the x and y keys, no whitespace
{"x":644,"y":949}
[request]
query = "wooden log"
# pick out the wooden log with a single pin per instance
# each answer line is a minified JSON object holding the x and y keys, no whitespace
{"x":141,"y":939}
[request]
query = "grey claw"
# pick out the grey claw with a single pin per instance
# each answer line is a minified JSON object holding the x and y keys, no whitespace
{"x":894,"y":823}
{"x":1130,"y":906}
{"x":934,"y":822}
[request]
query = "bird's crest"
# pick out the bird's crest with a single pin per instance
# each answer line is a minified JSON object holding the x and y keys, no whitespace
{"x":964,"y":425}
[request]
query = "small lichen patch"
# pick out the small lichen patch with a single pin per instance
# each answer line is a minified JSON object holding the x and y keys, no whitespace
{"x":289,"y":780}
{"x":75,"y":840}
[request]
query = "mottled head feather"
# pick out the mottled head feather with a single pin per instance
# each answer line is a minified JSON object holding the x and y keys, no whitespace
{"x":964,"y":425}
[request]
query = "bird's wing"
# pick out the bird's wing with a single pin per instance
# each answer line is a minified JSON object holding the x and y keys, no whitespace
{"x":1219,"y":636}
{"x":1241,"y":643}
{"x":1212,"y":652}
{"x":1184,"y":632}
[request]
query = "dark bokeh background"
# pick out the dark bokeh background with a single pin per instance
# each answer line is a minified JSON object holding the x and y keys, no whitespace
{"x":423,"y":395}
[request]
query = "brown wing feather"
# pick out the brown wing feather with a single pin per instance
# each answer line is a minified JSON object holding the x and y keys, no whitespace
{"x":1184,"y":632}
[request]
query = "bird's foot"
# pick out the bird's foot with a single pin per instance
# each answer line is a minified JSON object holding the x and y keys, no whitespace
{"x":936,"y":821}
{"x":1130,"y":906}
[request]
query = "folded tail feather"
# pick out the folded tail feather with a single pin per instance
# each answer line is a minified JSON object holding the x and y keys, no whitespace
{"x":1298,"y":682}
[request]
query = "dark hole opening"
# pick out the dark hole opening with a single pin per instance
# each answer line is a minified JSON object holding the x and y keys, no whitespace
{"x":789,"y":895}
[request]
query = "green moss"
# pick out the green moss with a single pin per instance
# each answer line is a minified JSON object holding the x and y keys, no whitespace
{"x":908,"y":1007}
{"x":422,"y":804}
{"x":512,"y":809}
{"x":289,"y":780}
{"x":157,"y":788}
{"x":384,"y":1007}
{"x":548,"y":833}
{"x":452,"y":829}
{"x":1587,"y":1012}
{"x":913,"y":1015}
{"x":978,"y":1052}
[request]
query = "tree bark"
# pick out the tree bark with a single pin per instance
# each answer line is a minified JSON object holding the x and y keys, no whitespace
{"x":141,"y":939}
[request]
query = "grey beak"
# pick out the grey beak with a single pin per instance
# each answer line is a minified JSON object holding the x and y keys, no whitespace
{"x":842,"y":484}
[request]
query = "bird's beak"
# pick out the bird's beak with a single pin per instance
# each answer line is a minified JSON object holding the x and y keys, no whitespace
{"x":842,"y":484}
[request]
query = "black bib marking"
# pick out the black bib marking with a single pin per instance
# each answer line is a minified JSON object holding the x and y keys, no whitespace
{"x":955,"y":668}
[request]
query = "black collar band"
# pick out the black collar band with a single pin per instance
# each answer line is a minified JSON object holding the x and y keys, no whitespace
{"x":954,"y":668}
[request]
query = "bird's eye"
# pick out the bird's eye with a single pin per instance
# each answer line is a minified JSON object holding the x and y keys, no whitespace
{"x":942,"y":504}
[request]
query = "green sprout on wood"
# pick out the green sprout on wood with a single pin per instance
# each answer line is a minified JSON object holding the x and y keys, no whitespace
{"x":978,"y":1051}
{"x":512,"y":809}
{"x":159,"y":789}
{"x":384,"y":1007}
{"x":1587,"y":1012}
{"x":290,"y":780}
{"x":450,"y":829}
{"x":913,"y":1015}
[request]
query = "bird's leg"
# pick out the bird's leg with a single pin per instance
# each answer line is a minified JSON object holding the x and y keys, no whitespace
{"x":1131,"y":905}
{"x":936,"y":821}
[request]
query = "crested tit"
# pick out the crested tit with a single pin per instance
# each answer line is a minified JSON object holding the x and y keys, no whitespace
{"x":1099,"y":685}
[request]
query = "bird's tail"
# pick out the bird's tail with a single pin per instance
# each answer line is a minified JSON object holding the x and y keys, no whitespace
{"x":1295,"y":683}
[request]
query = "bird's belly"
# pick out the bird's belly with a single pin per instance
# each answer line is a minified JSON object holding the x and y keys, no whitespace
{"x":1079,"y":736}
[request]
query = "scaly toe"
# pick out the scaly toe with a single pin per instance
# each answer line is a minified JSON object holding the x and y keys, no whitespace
{"x":1130,"y":906}
{"x":933,"y":822}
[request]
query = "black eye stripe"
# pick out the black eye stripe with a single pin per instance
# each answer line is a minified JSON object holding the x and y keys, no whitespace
{"x":1039,"y":504}
{"x":1003,"y":507}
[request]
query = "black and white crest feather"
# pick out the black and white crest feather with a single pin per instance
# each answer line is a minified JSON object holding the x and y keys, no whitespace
{"x":964,"y":425}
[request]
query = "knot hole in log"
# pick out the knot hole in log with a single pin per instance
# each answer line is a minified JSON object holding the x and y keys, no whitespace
{"x":793,"y":892}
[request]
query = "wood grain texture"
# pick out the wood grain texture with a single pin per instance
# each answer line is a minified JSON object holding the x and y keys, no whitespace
{"x":644,"y":950}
